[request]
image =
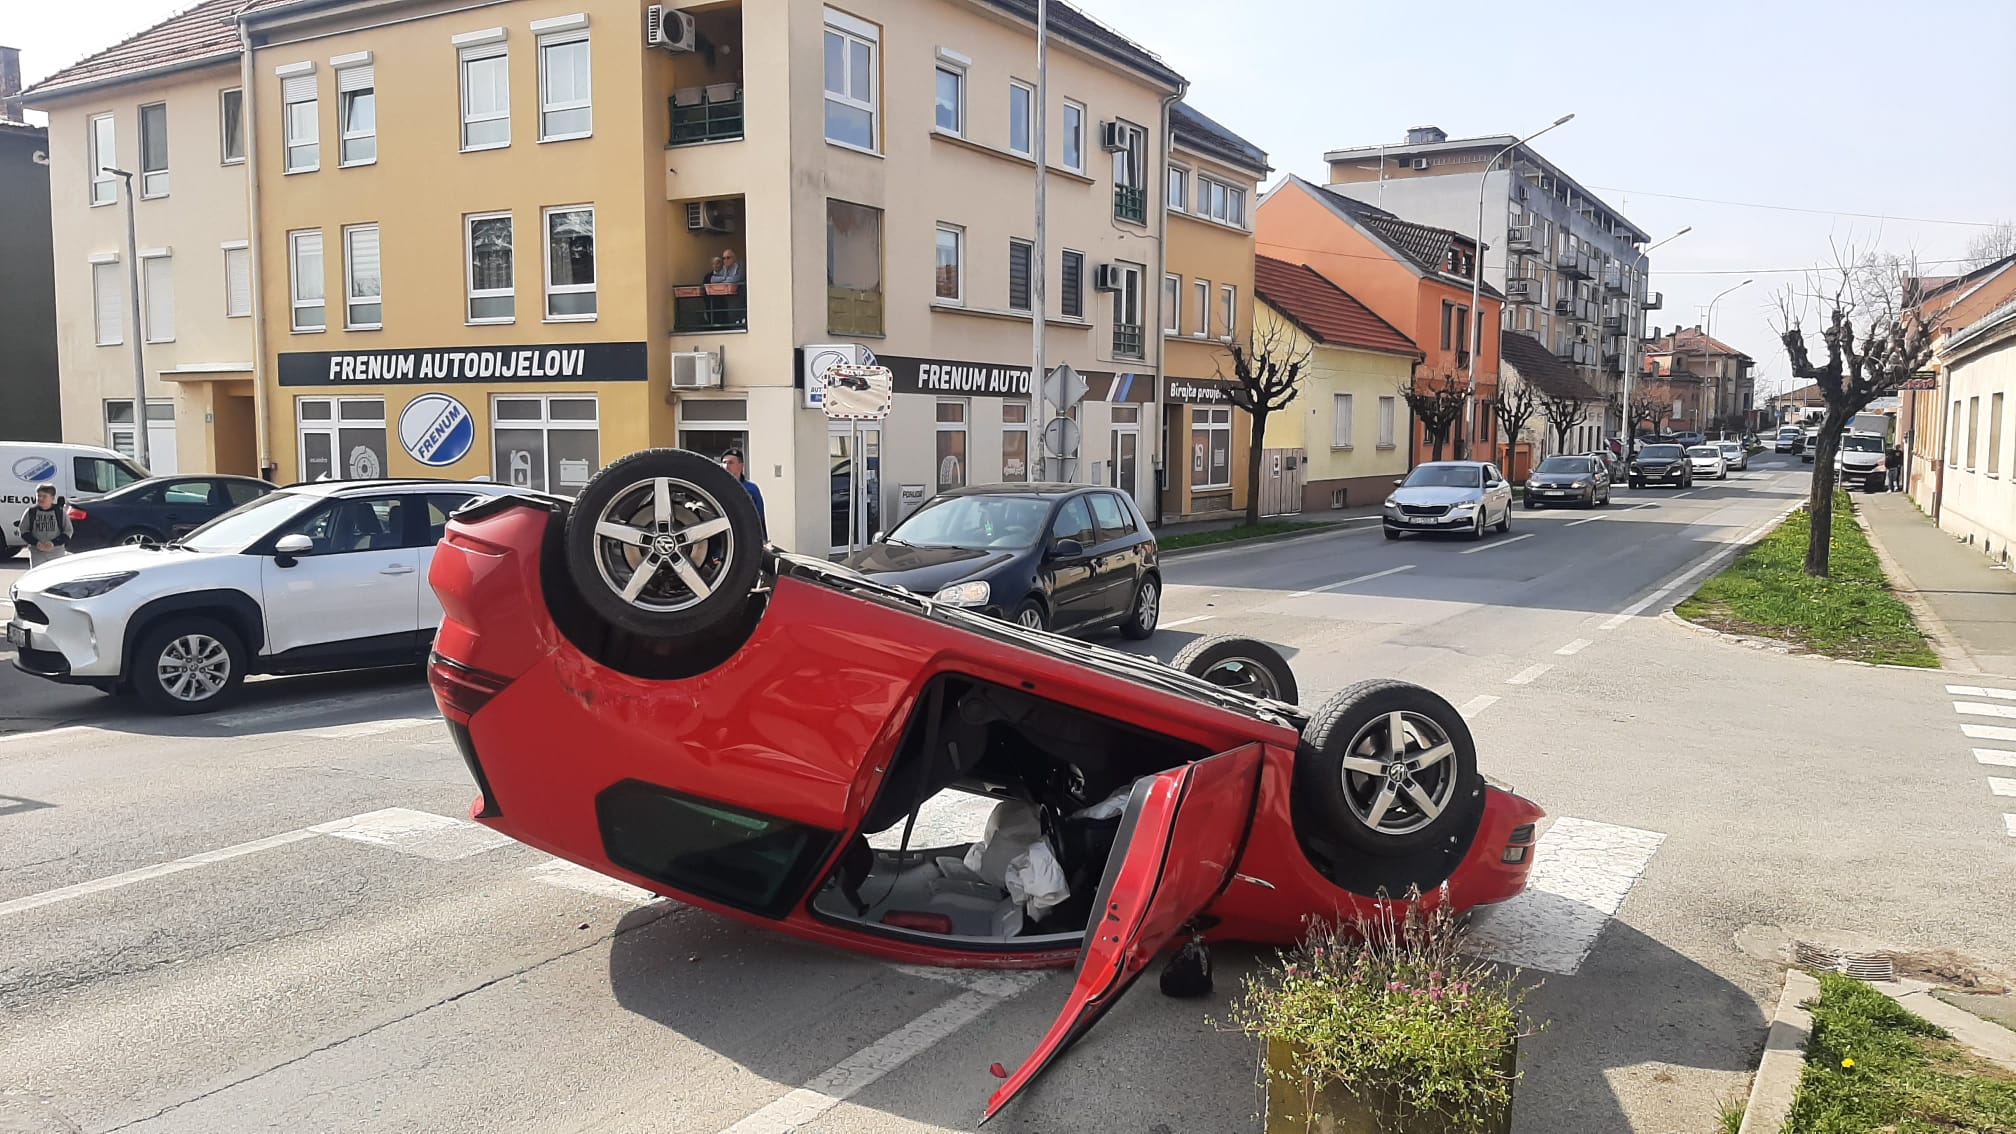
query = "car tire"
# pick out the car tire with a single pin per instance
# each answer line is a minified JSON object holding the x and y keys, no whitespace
{"x":1362,"y":792}
{"x":1637,"y":484}
{"x":1032,"y":615}
{"x":1392,"y":534}
{"x":1250,"y":666}
{"x":1505,"y":521}
{"x":8,"y":550}
{"x":204,"y":658}
{"x":1589,"y":501}
{"x":1146,"y":610}
{"x":1530,"y":505}
{"x":138,"y":537}
{"x":705,"y":556}
{"x":1477,"y":531}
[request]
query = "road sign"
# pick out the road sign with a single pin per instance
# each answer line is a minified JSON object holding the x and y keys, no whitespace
{"x":1064,"y":387}
{"x":1060,"y":437}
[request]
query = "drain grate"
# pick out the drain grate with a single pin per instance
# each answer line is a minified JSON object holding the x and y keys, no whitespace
{"x":1862,"y":966}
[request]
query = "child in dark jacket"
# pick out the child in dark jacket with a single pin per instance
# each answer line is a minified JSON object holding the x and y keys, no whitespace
{"x":45,"y":526}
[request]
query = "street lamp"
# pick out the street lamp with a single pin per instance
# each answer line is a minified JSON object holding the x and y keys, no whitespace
{"x":140,"y":452}
{"x":1709,"y":330}
{"x":1477,"y":275}
{"x":1631,"y":337}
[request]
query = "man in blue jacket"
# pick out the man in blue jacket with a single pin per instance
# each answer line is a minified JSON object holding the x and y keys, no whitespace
{"x":732,"y":461}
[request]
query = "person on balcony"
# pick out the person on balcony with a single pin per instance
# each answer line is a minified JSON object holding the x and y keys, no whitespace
{"x":731,"y":268}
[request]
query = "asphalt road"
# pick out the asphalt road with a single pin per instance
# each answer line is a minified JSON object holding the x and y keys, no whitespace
{"x":275,"y":918}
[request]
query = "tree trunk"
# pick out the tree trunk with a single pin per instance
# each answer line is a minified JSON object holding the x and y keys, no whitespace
{"x":1435,"y":440}
{"x":1820,"y":505}
{"x":1253,"y":454}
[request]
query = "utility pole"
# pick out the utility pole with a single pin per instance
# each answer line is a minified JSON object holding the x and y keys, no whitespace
{"x":1033,"y":446}
{"x":1632,"y":338}
{"x":140,"y":453}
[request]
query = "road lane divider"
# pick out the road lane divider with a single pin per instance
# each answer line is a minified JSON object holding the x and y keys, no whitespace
{"x":1469,"y":709}
{"x":1495,"y":544}
{"x":1529,"y":675}
{"x":1580,"y":522}
{"x":1574,"y":647}
{"x":1328,"y":587}
{"x":1712,"y":559}
{"x":1192,"y":620}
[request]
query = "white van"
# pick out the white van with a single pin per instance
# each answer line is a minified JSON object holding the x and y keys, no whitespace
{"x":79,"y":472}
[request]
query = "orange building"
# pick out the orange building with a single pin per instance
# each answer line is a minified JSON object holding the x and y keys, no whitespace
{"x":1415,"y":276}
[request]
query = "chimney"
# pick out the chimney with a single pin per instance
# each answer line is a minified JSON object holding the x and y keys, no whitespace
{"x":1425,"y":135}
{"x":10,"y":85}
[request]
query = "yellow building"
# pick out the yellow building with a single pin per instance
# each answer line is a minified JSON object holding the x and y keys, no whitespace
{"x":1348,"y":422}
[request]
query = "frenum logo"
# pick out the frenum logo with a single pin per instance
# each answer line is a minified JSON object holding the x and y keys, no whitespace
{"x":37,"y":469}
{"x":436,"y":430}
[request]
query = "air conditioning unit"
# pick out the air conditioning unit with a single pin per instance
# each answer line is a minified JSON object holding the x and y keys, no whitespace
{"x":1522,"y":290}
{"x":1418,"y":163}
{"x":668,"y":29}
{"x":1108,"y":277}
{"x":1115,"y":136}
{"x":709,"y":216}
{"x":696,"y":370}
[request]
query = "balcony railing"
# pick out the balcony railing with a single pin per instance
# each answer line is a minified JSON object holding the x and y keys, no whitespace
{"x":851,"y":311}
{"x":706,"y":114}
{"x":700,"y":308}
{"x":1654,"y":300}
{"x":1127,"y":340}
{"x":1572,"y":264}
{"x":1130,"y":203}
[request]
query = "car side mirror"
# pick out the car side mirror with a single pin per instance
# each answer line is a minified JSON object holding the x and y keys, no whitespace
{"x":877,"y":537}
{"x":1399,"y":482}
{"x":290,"y":546}
{"x":1066,"y":549}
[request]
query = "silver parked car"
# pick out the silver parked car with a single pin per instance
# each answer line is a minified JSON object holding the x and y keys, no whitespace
{"x":1450,"y":496}
{"x":1734,"y":454}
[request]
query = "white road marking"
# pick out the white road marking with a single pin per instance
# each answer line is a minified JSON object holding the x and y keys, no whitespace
{"x":1327,"y":587}
{"x":568,"y":876}
{"x":1496,"y":544}
{"x":1686,"y":494}
{"x":46,"y":733}
{"x":1582,"y":872}
{"x":294,"y":709}
{"x":1977,"y":691}
{"x":158,"y":870}
{"x":1469,"y":709}
{"x":1999,"y":785}
{"x":1588,"y":520}
{"x":856,"y":1072}
{"x":1995,"y":757}
{"x":1574,"y":647}
{"x":1186,"y":621}
{"x":1647,"y":504}
{"x":2009,"y":821}
{"x":1632,"y":611}
{"x":1988,"y":732}
{"x":367,"y":728}
{"x":1980,"y":709}
{"x":1528,"y":675}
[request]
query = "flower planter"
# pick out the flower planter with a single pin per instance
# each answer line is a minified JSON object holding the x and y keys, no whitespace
{"x":1297,"y":1106}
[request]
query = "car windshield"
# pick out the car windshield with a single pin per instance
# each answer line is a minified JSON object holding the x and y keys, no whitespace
{"x":995,"y":523}
{"x":1445,"y":476}
{"x":1862,"y":444}
{"x":1704,"y":451}
{"x":1660,"y":453}
{"x":1564,"y":465}
{"x":247,"y":524}
{"x":1789,"y":431}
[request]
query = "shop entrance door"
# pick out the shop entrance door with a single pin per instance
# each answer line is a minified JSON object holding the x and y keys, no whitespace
{"x":854,"y":460}
{"x":1126,"y":450}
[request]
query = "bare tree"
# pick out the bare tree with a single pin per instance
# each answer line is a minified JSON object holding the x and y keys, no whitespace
{"x":1991,"y":245}
{"x":1875,"y":339}
{"x":1563,"y":415}
{"x":1651,"y":403}
{"x":1516,"y":404}
{"x":1436,"y":399}
{"x":1264,"y":381}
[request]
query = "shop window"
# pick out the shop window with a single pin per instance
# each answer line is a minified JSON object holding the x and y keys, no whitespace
{"x":340,"y":438}
{"x":547,"y":442}
{"x":1211,"y":447}
{"x":1014,"y":440}
{"x":951,"y":449}
{"x":712,"y":426}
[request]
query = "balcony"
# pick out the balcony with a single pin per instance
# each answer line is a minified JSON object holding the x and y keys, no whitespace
{"x":706,"y":114}
{"x":1572,"y":264}
{"x":1127,"y":340}
{"x":853,"y":311}
{"x":707,"y":308}
{"x":1524,"y":240}
{"x":1616,"y":324}
{"x":1654,"y":300}
{"x":1130,"y":203}
{"x":1613,"y":282}
{"x":1520,"y":290}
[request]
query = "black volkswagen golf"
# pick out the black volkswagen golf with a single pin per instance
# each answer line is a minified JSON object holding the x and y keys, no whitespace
{"x":1065,"y":557}
{"x":158,"y":510}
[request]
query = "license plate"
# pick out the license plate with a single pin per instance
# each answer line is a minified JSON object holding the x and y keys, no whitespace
{"x":1552,"y":492}
{"x":17,"y":634}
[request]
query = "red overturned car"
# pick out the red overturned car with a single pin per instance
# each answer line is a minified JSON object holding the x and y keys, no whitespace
{"x":641,"y":686}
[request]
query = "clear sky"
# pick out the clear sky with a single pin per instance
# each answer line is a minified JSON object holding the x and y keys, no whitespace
{"x":1843,"y":107}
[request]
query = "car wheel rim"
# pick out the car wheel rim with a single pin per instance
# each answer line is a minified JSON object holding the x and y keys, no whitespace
{"x":1245,"y":675}
{"x":664,"y":545}
{"x":1399,"y":773}
{"x":1031,"y":618}
{"x":193,"y":667}
{"x":1150,"y":602}
{"x":138,"y":539}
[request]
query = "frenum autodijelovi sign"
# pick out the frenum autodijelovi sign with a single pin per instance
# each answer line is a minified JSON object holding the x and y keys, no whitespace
{"x":564,"y":362}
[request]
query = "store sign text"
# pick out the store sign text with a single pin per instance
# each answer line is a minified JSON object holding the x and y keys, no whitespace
{"x":585,"y":362}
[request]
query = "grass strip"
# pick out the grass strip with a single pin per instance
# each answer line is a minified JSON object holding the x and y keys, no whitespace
{"x":1873,"y":1066}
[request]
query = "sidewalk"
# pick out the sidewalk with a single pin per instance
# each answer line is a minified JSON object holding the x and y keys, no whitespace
{"x":1976,"y":603}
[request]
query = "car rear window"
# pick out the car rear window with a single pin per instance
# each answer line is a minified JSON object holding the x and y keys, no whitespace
{"x":711,"y":850}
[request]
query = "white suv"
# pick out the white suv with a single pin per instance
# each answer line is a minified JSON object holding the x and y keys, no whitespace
{"x":311,"y":578}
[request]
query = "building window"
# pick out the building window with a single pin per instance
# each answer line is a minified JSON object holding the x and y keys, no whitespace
{"x":104,"y":152}
{"x":1211,"y":447}
{"x":237,"y":281}
{"x":304,"y":272}
{"x":154,"y":150}
{"x":108,"y":305}
{"x":1389,"y":412}
{"x":119,"y":430}
{"x":951,"y":109}
{"x":545,"y":442}
{"x":1071,"y":294}
{"x":303,"y":130}
{"x":157,"y":294}
{"x":1201,"y":292}
{"x":1973,"y":429}
{"x":853,"y":269}
{"x":363,"y":287}
{"x":1228,"y":310}
{"x":1074,"y":137}
{"x":1014,"y":440}
{"x":1953,"y":438}
{"x":340,"y":438}
{"x":1127,"y":311}
{"x":564,"y":110}
{"x":712,"y":426}
{"x":1020,"y":253}
{"x":486,"y":97}
{"x":1172,"y":305}
{"x":1130,"y":195}
{"x":1223,"y":203}
{"x":1340,"y":421}
{"x":357,"y":115}
{"x":850,"y":80}
{"x":950,"y":284}
{"x":1021,"y":112}
{"x":231,"y":125}
{"x":570,"y":263}
{"x":951,"y":449}
{"x":1179,"y":188}
{"x":492,"y":298}
{"x":1995,"y":435}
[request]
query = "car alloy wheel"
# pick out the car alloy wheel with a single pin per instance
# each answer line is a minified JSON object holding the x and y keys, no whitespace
{"x":1477,"y":530}
{"x":1147,"y":611}
{"x":1390,"y":769}
{"x":139,"y":539}
{"x":1242,"y":664}
{"x":186,"y":664}
{"x":1030,"y":616}
{"x":193,"y":667}
{"x":664,"y":545}
{"x":1397,"y":773}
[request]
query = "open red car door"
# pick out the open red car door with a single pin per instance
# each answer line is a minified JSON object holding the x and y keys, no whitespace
{"x":1175,"y":849}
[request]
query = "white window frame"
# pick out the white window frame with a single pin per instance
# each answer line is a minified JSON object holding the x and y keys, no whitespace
{"x":952,"y":64}
{"x":965,"y":406}
{"x":853,"y":28}
{"x":546,"y":104}
{"x":475,"y":293}
{"x":1389,"y":418}
{"x":344,"y":135}
{"x":331,"y":427}
{"x":240,"y":252}
{"x":1073,"y":133}
{"x":958,"y":234}
{"x":1213,"y":419}
{"x":352,"y":300}
{"x":115,"y":315}
{"x":297,"y":304}
{"x":153,"y":182}
{"x":475,"y":47}
{"x":1208,"y":206}
{"x":1172,"y":298}
{"x":1200,"y":293}
{"x":288,"y":142}
{"x":546,"y":265}
{"x":150,"y":331}
{"x":1133,"y":282}
{"x":1028,"y":93}
{"x":1176,"y":187}
{"x":224,"y":127}
{"x":546,"y":425}
{"x":104,"y":186}
{"x":1228,"y":309}
{"x":1342,"y":421}
{"x":1015,"y":427}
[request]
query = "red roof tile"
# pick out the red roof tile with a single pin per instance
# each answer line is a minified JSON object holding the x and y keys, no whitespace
{"x":1324,"y":310}
{"x":207,"y":31}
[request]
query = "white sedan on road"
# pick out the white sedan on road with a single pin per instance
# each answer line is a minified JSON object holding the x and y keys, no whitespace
{"x":1707,"y":460}
{"x":308,"y":579}
{"x":1734,"y":454}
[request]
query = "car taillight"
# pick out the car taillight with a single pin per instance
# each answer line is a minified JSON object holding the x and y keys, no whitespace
{"x":461,"y":689}
{"x":1520,"y":845}
{"x":913,"y":919}
{"x":79,"y":514}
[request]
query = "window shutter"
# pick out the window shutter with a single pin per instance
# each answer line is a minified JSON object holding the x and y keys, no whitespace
{"x":159,"y":272}
{"x":237,"y":281}
{"x":1018,"y":276}
{"x":299,"y":88}
{"x":111,"y":305}
{"x":354,"y":79}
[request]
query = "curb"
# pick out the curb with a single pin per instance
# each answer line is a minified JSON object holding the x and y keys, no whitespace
{"x":1784,"y":1059}
{"x":1944,"y":642}
{"x":1786,"y":649}
{"x":1339,"y":527}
